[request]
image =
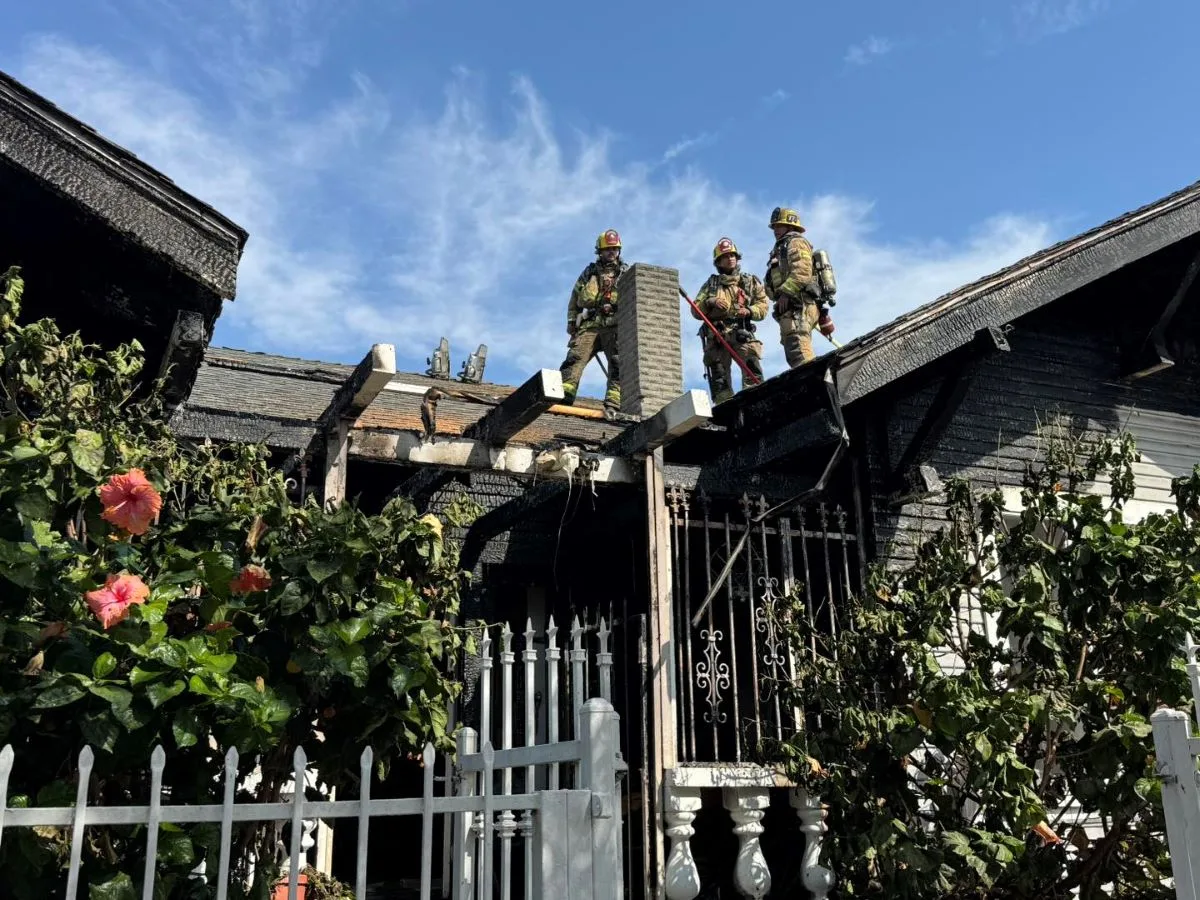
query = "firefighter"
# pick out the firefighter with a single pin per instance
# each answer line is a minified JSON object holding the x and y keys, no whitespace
{"x":733,"y":301}
{"x":592,"y":322}
{"x":794,"y":288}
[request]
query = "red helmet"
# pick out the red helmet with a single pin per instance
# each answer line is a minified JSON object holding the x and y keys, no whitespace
{"x":609,"y":240}
{"x":725,"y":245}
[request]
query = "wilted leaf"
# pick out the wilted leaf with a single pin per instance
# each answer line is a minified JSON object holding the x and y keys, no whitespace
{"x":87,"y":451}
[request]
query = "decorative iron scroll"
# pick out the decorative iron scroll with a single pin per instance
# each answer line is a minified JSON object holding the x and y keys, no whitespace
{"x":712,"y":676}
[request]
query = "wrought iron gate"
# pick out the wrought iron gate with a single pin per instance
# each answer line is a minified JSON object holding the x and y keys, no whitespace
{"x":731,"y":662}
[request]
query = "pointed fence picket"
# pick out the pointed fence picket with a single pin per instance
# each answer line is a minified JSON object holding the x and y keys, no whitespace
{"x":1176,"y":748}
{"x":556,"y":834}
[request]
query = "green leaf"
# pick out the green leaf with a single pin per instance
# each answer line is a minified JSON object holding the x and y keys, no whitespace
{"x":186,"y":728}
{"x":351,"y":631}
{"x":1149,"y":789}
{"x":99,"y":730}
{"x":119,"y":887}
{"x":405,"y":679}
{"x":320,"y":570}
{"x":983,"y":747}
{"x":134,"y":716}
{"x":980,"y":866}
{"x":161,"y":693}
{"x":87,"y":451}
{"x":118,"y":697}
{"x":439,"y":718}
{"x":140,"y":676}
{"x":23,"y":452}
{"x":292,"y":598}
{"x":198,"y":685}
{"x":914,"y":857}
{"x":175,"y":848}
{"x":173,"y":653}
{"x":60,"y":693}
{"x":35,"y":504}
{"x":104,"y":665}
{"x":217,"y":662}
{"x":352,"y":662}
{"x":957,"y":843}
{"x":44,"y":537}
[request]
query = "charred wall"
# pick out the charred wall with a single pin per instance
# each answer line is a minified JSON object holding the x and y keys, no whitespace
{"x":1066,"y":361}
{"x":91,"y":278}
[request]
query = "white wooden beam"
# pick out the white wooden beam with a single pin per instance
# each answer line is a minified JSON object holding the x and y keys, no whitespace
{"x":349,"y":402}
{"x":687,"y":411}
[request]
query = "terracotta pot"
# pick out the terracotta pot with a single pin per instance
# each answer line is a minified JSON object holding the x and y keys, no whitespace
{"x":281,"y":889}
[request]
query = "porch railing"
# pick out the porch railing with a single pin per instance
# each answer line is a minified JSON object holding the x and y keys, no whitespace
{"x":730,"y":664}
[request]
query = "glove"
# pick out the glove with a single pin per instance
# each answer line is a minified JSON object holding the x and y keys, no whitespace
{"x":781,"y":305}
{"x":606,"y":309}
{"x":571,"y":329}
{"x":825,"y":324}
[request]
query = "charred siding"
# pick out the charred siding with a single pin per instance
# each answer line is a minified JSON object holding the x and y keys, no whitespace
{"x":1052,"y":370}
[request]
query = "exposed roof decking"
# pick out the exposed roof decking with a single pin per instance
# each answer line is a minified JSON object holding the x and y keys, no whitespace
{"x":257,"y":396}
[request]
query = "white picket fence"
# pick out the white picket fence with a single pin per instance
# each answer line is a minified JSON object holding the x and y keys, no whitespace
{"x":571,"y":837}
{"x":1177,"y":746}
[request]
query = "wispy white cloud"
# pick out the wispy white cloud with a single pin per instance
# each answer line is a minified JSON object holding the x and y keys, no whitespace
{"x":864,"y":52}
{"x":471,"y":225}
{"x":685,"y":144}
{"x":776,"y":97}
{"x":1036,"y":19}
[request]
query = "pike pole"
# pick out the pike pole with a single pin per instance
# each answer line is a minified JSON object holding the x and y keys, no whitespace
{"x":750,"y":376}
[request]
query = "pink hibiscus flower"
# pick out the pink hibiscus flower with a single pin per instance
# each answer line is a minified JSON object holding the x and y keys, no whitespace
{"x":130,"y":501}
{"x":110,"y":604}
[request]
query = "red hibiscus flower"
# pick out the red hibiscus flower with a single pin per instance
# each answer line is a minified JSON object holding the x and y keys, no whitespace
{"x":250,"y":580}
{"x":111,"y":603}
{"x":130,"y":501}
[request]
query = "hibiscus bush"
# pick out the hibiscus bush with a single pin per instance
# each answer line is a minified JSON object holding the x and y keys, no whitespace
{"x":962,"y":766}
{"x":154,"y":592}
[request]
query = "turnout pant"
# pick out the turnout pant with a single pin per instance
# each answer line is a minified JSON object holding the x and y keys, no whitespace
{"x":581,"y":350}
{"x":719,"y":364}
{"x":795,"y":332}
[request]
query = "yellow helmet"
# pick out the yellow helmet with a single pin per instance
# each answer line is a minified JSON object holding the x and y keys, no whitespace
{"x":609,"y":240}
{"x":723,"y":246}
{"x":781,"y":215}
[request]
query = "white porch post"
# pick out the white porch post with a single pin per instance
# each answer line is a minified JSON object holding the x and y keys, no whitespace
{"x":682,"y":876}
{"x":818,"y":880}
{"x":750,"y":872}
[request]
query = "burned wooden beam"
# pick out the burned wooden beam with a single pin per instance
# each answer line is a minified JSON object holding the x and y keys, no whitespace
{"x":686,"y":412}
{"x":1152,"y":355}
{"x":910,"y":478}
{"x":519,"y":409}
{"x":182,"y":356}
{"x":814,"y":430}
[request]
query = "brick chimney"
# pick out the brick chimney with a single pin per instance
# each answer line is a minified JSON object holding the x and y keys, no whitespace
{"x":648,"y":339}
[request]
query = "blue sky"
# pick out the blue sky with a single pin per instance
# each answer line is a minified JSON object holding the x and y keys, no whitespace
{"x":412,"y":169}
